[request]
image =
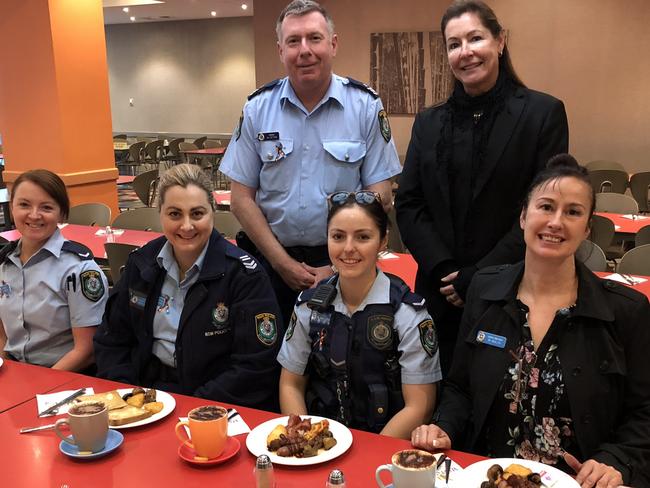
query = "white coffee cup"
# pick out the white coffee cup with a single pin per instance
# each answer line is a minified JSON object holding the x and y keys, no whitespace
{"x":410,"y":468}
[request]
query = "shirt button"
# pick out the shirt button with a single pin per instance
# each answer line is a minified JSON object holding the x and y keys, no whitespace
{"x":604,"y":366}
{"x":347,"y":157}
{"x":302,"y":233}
{"x":306,"y":147}
{"x":303,"y":206}
{"x":269,"y":156}
{"x":576,"y":371}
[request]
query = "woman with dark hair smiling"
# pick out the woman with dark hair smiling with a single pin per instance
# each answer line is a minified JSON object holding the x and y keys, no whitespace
{"x":53,"y":293}
{"x":360,"y":348}
{"x":469,"y":163}
{"x":552,"y":362}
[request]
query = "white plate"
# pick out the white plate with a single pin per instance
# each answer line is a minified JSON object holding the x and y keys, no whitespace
{"x":475,"y":474}
{"x":169,"y":404}
{"x":256,"y":442}
{"x":1,"y":362}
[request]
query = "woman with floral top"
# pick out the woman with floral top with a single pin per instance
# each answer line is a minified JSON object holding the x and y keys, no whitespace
{"x":552,"y":364}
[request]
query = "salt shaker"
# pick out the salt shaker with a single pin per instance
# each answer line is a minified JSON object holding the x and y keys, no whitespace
{"x":109,"y":233}
{"x":335,"y":479}
{"x":264,"y":476}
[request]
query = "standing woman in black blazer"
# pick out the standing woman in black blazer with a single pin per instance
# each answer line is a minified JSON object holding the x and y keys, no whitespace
{"x":469,"y":163}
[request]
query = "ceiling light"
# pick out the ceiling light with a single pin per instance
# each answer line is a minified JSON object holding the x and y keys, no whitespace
{"x":132,"y":18}
{"x":244,"y":6}
{"x":213,"y":13}
{"x":125,"y":9}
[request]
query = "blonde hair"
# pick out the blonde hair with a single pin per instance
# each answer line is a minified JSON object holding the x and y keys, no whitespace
{"x":184,"y":175}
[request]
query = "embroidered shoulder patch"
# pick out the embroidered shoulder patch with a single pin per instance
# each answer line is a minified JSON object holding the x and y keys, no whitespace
{"x":384,"y":125}
{"x":92,"y":285}
{"x":238,"y":128}
{"x":428,"y":336}
{"x":266,"y":328}
{"x":292,"y":326}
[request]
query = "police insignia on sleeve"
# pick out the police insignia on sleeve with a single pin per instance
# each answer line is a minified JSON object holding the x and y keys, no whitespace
{"x":266,"y":328}
{"x":238,"y":128}
{"x":220,"y":315}
{"x":384,"y":125}
{"x":380,"y":331}
{"x":92,"y":285}
{"x":292,"y":326}
{"x":428,"y":336}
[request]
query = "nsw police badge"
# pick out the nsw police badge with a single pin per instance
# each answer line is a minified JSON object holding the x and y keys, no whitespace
{"x":92,"y":285}
{"x":380,"y":331}
{"x":292,"y":326}
{"x":428,"y":336}
{"x":266,"y":328}
{"x":220,"y":315}
{"x":384,"y":125}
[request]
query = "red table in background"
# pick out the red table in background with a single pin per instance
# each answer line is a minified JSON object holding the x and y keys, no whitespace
{"x":623,"y":225}
{"x":85,"y":234}
{"x":148,"y":457}
{"x":125,"y":179}
{"x":222,"y":198}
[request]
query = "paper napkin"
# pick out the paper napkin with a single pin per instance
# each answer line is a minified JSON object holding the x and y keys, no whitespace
{"x":634,"y":279}
{"x":44,"y":402}
{"x":115,"y":232}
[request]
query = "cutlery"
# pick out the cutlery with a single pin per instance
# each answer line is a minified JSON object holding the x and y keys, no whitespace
{"x":25,"y":430}
{"x":629,"y":278}
{"x":53,"y":409}
{"x":447,"y":469}
{"x":232,"y":413}
{"x":440,"y":461}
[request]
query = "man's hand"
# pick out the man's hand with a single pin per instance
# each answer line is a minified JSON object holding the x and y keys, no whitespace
{"x":449,"y":291}
{"x":320,"y":273}
{"x":295,"y":275}
{"x":592,"y":474}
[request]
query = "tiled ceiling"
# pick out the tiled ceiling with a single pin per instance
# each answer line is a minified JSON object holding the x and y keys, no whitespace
{"x":160,"y":11}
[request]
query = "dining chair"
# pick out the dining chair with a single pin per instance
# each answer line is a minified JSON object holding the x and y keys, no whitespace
{"x":226,"y":223}
{"x":153,"y":153}
{"x":145,"y":185}
{"x":134,"y":159}
{"x":145,"y":218}
{"x":188,"y":146}
{"x":198,"y":142}
{"x":117,"y":255}
{"x":636,"y":261}
{"x":609,"y":180}
{"x":90,"y":214}
{"x":592,"y":256}
{"x":640,"y":187}
{"x":616,"y":203}
{"x":120,"y":136}
{"x":173,"y":155}
{"x":604,"y":164}
{"x":642,"y":237}
{"x":211,"y":144}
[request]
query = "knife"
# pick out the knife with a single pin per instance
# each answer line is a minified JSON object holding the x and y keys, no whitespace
{"x":25,"y":430}
{"x":53,"y":408}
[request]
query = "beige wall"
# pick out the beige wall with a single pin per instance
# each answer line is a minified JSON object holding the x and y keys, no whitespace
{"x":592,"y":54}
{"x":189,"y":77}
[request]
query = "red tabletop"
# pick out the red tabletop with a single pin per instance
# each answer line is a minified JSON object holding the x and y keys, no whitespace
{"x":640,"y":287}
{"x":125,"y":179}
{"x":149,"y":456}
{"x":403,"y":266}
{"x":85,"y":234}
{"x":19,"y":382}
{"x":213,"y":151}
{"x":624,"y":225}
{"x":222,"y":198}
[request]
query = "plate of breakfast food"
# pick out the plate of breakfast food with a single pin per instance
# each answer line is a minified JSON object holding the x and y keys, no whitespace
{"x":299,"y":441}
{"x":133,"y":407}
{"x":516,"y":472}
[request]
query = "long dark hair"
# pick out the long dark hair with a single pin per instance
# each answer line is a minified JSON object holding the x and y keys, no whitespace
{"x":490,"y":22}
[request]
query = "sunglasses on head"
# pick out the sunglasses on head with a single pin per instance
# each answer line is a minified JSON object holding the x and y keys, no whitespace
{"x":363,"y":197}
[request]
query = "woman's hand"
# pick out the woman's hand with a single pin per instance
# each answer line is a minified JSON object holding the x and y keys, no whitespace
{"x":430,"y":437}
{"x":450,"y":292}
{"x":592,"y":474}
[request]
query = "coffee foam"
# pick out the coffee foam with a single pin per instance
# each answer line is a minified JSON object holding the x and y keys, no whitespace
{"x":207,"y":413}
{"x":421,"y":454}
{"x":87,"y":408}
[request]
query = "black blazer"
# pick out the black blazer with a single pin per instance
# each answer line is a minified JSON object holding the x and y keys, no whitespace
{"x":530,"y":129}
{"x":605,"y":365}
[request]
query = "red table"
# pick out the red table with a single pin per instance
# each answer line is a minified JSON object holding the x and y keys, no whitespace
{"x":148,"y":457}
{"x":623,"y":225}
{"x":640,"y":287}
{"x":125,"y":179}
{"x":213,"y":153}
{"x":85,"y":234}
{"x":221,"y":198}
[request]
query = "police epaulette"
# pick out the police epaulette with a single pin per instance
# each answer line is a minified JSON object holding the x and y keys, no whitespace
{"x":248,"y":262}
{"x":263,"y":88}
{"x":305,"y":295}
{"x":7,"y":249}
{"x":401,"y":293}
{"x":79,"y":249}
{"x":363,"y":86}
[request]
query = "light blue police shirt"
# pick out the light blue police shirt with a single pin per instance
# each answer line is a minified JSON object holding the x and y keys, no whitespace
{"x":295,"y":158}
{"x":171,"y":302}
{"x":417,"y":367}
{"x":42,"y":299}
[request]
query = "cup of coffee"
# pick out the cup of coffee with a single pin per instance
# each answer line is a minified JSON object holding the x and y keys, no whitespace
{"x":411,"y":468}
{"x":88,"y":422}
{"x":208,"y":428}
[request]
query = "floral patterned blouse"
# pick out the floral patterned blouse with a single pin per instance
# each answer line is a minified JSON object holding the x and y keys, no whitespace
{"x":530,"y":417}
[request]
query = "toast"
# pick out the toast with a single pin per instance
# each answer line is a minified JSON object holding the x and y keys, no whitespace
{"x":127,"y":415}
{"x":111,"y":399}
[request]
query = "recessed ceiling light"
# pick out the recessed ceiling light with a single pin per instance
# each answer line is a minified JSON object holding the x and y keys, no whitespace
{"x":213,"y":13}
{"x":125,"y":9}
{"x":132,"y":18}
{"x":244,"y":6}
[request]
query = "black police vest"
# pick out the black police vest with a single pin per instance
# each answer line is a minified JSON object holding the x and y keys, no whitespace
{"x":354,"y":371}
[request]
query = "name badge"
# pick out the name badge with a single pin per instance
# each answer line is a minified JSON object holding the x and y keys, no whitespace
{"x":268,"y":136}
{"x":491,"y":339}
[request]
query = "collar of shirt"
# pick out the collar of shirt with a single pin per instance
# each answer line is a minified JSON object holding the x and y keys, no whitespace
{"x":334,"y":91}
{"x":379,"y":293}
{"x":52,"y":245}
{"x":167,"y":261}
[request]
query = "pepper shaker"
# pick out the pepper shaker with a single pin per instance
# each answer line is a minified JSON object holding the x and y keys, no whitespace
{"x":264,"y":475}
{"x":335,"y":479}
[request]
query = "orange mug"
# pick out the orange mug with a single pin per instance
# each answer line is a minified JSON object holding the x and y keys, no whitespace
{"x":208,"y":429}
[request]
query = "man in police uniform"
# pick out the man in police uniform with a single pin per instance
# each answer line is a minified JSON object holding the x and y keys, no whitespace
{"x":298,"y":140}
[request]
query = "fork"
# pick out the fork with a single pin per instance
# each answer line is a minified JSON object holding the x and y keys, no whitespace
{"x":629,"y":278}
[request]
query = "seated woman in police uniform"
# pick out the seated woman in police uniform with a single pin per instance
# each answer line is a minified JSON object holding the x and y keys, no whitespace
{"x":360,"y":348}
{"x":192,"y":313}
{"x":552,"y":363}
{"x":52,"y":293}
